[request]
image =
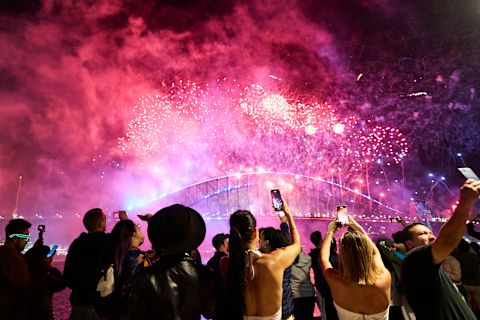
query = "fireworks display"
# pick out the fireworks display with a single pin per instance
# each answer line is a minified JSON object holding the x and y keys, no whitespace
{"x":247,"y":126}
{"x":384,"y":143}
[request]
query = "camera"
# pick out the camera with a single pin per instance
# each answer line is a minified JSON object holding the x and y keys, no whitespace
{"x":41,"y":231}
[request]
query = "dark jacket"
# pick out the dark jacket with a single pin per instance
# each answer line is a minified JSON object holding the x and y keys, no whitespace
{"x":15,"y":284}
{"x":214,"y":263}
{"x":44,"y":285}
{"x":321,"y":284}
{"x":173,"y":288}
{"x":83,"y":266}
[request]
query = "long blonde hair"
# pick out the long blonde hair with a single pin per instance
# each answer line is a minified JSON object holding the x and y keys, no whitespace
{"x":356,"y":256}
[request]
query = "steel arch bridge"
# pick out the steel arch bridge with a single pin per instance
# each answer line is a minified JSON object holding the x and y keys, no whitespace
{"x":307,"y":196}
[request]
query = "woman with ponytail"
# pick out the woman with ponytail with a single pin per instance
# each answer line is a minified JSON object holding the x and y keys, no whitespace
{"x":254,"y":279}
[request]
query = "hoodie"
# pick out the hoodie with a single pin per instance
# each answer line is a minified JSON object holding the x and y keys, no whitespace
{"x":86,"y":258}
{"x":300,"y":280}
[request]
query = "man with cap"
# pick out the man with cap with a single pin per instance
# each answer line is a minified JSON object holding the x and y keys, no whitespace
{"x":174,"y":287}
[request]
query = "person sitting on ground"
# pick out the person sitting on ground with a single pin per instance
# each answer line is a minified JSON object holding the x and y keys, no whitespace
{"x":46,"y":280}
{"x":254,"y":279}
{"x":361,"y":288}
{"x":429,"y":291}
{"x":174,"y":287}
{"x":15,"y":278}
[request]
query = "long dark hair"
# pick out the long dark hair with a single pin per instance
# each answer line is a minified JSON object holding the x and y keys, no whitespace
{"x":242,"y":231}
{"x":278,"y":239}
{"x":122,"y":235}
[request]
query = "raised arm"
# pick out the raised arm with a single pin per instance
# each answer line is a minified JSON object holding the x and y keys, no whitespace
{"x":453,"y":230}
{"x":326,"y":244}
{"x":287,"y":255}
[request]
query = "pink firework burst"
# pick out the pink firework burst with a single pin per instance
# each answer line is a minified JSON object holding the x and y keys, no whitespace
{"x":384,"y":143}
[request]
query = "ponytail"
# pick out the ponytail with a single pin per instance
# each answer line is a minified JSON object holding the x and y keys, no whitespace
{"x":242,"y":228}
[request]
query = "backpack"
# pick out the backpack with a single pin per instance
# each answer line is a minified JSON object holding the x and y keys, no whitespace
{"x":106,"y":283}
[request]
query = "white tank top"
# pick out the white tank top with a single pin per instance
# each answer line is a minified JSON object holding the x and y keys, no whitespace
{"x":344,"y":314}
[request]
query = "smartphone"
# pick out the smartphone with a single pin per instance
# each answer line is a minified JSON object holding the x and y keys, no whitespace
{"x":116,"y":215}
{"x":277,"y":202}
{"x":342,"y":215}
{"x":468,"y":173}
{"x":52,"y":251}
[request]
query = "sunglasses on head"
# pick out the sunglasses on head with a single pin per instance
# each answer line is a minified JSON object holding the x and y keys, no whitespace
{"x":20,"y":235}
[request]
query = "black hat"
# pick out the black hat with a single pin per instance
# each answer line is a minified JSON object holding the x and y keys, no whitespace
{"x":176,"y":229}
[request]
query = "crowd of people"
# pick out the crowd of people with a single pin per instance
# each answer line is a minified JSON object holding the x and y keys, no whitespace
{"x":254,"y":273}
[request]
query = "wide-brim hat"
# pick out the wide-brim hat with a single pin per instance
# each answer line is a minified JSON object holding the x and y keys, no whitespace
{"x":176,"y":229}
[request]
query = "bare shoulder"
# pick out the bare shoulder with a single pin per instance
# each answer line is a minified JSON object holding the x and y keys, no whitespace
{"x":268,"y":258}
{"x":268,"y":261}
{"x":331,"y":274}
{"x":383,"y":278}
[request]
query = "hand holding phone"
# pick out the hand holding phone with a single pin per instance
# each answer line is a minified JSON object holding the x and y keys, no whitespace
{"x":468,"y":173}
{"x":354,"y":225}
{"x":341,"y":216}
{"x":52,"y":251}
{"x":120,"y":215}
{"x":277,"y":202}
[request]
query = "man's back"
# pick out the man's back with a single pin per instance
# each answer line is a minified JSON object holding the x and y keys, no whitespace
{"x":85,"y":260}
{"x":317,"y":271}
{"x":429,"y":291}
{"x":214,"y":264}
